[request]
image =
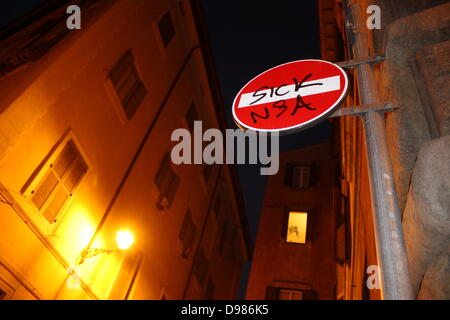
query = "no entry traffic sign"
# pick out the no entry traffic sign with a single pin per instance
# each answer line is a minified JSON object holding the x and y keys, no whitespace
{"x":290,"y":97}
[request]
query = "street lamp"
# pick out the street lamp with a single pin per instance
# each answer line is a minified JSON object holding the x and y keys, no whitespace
{"x":124,"y":240}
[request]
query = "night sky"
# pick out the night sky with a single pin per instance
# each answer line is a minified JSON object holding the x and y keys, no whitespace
{"x":249,"y":37}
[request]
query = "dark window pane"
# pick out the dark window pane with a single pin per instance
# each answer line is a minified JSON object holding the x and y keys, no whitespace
{"x":65,"y":159}
{"x":129,"y":87}
{"x":166,"y":29}
{"x":76,"y":172}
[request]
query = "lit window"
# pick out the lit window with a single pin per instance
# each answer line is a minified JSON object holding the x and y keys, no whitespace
{"x":287,"y":294}
{"x":297,"y":225}
{"x":166,"y":29}
{"x":167,"y":182}
{"x":301,"y":177}
{"x":129,"y":87}
{"x":60,"y":181}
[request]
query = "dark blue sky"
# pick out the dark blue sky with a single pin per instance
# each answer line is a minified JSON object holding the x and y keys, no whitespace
{"x":249,"y":37}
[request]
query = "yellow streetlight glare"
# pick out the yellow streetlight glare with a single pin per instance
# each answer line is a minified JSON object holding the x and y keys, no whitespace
{"x":124,"y":239}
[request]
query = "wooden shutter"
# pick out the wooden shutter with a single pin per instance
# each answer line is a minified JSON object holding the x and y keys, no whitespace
{"x":135,"y":98}
{"x":172,"y":189}
{"x":120,"y":69}
{"x":187,"y":233}
{"x":166,"y":29}
{"x":309,"y":295}
{"x":271,"y":293}
{"x":163,"y":172}
{"x":45,"y":189}
{"x":129,"y":87}
{"x":59,"y":183}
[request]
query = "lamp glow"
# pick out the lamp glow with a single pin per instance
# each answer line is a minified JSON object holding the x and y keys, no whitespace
{"x":124,"y":239}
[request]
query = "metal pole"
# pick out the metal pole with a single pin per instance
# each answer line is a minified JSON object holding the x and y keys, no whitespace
{"x":390,"y":244}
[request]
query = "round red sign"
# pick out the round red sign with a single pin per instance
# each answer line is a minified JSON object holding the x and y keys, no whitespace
{"x":290,"y":97}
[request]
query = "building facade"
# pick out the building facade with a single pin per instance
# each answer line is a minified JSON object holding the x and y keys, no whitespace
{"x":86,"y":118}
{"x":299,"y":239}
{"x":414,"y":39}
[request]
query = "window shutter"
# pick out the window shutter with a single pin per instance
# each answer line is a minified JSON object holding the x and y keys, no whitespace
{"x":74,"y":175}
{"x":55,"y":205}
{"x":310,"y":295}
{"x":129,"y":87}
{"x":134,"y":99}
{"x":166,"y":29}
{"x":163,"y":172}
{"x":172,"y":190}
{"x":187,"y":234}
{"x":271,"y":293}
{"x":65,"y":159}
{"x":45,"y":189}
{"x":118,"y":71}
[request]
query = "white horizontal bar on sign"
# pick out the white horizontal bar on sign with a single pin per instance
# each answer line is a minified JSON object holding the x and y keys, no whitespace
{"x":327,"y":85}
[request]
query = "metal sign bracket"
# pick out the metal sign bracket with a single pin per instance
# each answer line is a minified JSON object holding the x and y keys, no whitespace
{"x":362,"y":109}
{"x":356,"y":62}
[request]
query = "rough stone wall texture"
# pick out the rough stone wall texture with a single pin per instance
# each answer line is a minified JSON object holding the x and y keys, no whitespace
{"x":426,"y":219}
{"x":435,"y":283}
{"x":407,"y":128}
{"x":434,"y":66}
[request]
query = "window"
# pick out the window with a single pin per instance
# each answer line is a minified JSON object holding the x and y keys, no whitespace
{"x":301,"y":177}
{"x":286,"y":294}
{"x":167,"y":182}
{"x":60,"y":182}
{"x":192,"y":115}
{"x":129,"y":87}
{"x":209,"y":292}
{"x":297,"y":226}
{"x":275,"y":293}
{"x":201,"y":268}
{"x":187,"y":234}
{"x":166,"y":29}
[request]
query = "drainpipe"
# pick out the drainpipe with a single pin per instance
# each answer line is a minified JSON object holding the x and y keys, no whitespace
{"x":390,"y":244}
